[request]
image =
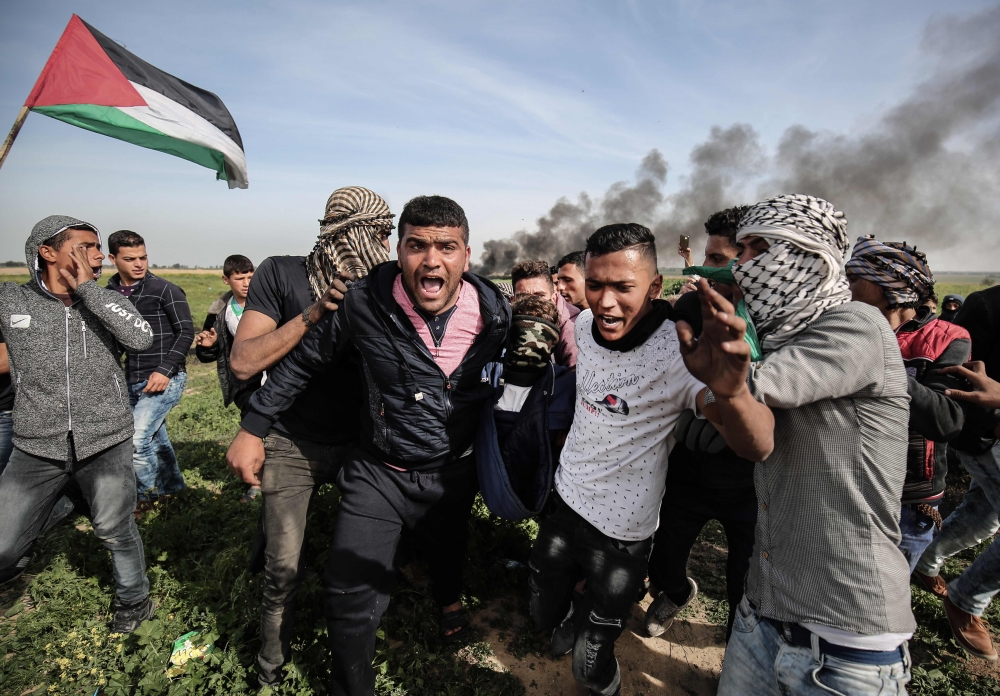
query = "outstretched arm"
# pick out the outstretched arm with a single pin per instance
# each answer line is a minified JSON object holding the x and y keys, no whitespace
{"x":721,"y":359}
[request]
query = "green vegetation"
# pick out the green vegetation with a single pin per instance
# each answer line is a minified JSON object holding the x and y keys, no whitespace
{"x":53,"y":622}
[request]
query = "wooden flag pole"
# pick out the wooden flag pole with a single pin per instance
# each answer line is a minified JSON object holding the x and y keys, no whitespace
{"x":5,"y":148}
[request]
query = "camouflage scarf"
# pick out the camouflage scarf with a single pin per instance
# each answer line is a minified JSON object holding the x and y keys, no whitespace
{"x":530,"y":344}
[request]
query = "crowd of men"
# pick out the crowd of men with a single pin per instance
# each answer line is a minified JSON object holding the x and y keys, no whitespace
{"x":807,"y":404}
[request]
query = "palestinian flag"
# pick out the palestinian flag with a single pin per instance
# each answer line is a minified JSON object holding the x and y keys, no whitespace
{"x":91,"y":82}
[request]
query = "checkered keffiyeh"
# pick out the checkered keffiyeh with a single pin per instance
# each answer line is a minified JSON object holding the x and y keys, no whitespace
{"x":351,"y":237}
{"x":900,"y":270}
{"x":801,"y":274}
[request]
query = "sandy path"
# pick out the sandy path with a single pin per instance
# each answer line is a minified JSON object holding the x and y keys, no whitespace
{"x":686,"y":660}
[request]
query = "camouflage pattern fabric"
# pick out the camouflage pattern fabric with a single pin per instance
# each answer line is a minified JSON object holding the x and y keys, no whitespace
{"x":531,"y":343}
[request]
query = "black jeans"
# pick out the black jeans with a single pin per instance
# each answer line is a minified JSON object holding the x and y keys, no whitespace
{"x":568,"y":547}
{"x":377,"y":503}
{"x":685,"y":511}
{"x":293,"y":470}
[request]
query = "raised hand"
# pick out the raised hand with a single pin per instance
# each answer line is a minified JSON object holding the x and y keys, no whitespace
{"x":82,"y":272}
{"x":719,"y":357}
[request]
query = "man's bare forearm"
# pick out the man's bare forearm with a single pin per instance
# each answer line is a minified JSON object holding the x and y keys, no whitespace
{"x":745,"y":423}
{"x":254,"y":355}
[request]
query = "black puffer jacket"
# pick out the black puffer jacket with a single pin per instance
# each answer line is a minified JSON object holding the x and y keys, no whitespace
{"x":413,"y":415}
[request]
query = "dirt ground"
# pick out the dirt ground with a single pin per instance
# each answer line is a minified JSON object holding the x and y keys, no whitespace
{"x":686,"y":660}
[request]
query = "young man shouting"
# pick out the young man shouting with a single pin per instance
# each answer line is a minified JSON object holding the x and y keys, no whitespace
{"x":533,"y":278}
{"x":631,"y":388}
{"x":424,"y":329}
{"x":71,"y":416}
{"x":827,"y":603}
{"x":156,"y":377}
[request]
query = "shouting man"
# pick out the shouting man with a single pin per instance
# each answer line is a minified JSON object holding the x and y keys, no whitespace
{"x":424,"y":328}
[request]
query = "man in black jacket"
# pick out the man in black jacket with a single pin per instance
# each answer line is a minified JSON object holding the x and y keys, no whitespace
{"x":156,"y":377}
{"x":424,"y":328}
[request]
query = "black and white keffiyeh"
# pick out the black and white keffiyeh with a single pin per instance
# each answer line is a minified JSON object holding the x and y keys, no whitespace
{"x":351,"y":237}
{"x":801,"y":274}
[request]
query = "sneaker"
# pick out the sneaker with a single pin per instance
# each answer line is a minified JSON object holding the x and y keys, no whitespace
{"x":934,"y":584}
{"x":563,"y":636}
{"x":971,"y":632}
{"x":662,"y":611}
{"x":128,"y":617}
{"x":12,"y":573}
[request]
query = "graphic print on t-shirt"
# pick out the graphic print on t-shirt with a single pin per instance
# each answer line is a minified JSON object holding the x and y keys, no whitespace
{"x":599,"y":393}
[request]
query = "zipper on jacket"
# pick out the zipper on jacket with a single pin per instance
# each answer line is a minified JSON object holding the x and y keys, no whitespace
{"x":118,"y":386}
{"x":83,"y":329}
{"x":69,"y":412}
{"x":447,"y":396}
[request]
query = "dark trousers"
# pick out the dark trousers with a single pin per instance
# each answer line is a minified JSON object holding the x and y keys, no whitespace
{"x":685,"y":511}
{"x":377,"y":503}
{"x":293,"y":470}
{"x":566,"y":549}
{"x":30,"y":487}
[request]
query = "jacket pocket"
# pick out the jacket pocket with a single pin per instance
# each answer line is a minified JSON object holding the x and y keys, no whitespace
{"x":121,"y":397}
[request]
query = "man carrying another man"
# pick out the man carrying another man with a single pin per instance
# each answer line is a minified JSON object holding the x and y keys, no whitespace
{"x":290,"y":455}
{"x":424,"y":328}
{"x":156,"y":377}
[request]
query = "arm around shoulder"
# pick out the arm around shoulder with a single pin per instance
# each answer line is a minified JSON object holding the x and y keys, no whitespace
{"x":117,"y":314}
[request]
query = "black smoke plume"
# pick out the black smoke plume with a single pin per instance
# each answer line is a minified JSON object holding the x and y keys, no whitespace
{"x":927,"y":171}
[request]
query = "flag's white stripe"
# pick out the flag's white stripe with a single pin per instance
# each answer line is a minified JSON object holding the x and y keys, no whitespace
{"x":176,"y":121}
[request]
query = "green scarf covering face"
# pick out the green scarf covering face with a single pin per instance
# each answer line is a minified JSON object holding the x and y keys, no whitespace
{"x":530,"y":343}
{"x":725,"y":277}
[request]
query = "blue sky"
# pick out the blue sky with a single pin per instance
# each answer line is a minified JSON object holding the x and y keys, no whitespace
{"x":504,"y":107}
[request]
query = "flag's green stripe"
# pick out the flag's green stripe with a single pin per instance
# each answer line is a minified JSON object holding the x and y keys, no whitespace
{"x":107,"y":120}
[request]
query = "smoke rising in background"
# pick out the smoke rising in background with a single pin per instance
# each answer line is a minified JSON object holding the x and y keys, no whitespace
{"x":927,"y":172}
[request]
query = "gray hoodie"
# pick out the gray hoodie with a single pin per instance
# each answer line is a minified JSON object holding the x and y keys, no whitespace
{"x":71,"y":395}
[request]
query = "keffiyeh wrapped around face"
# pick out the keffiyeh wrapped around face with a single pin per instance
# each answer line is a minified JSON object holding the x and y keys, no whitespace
{"x":801,"y":274}
{"x":351,"y":237}
{"x":900,"y":270}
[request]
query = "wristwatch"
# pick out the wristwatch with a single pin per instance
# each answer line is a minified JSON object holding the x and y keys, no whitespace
{"x":306,"y":320}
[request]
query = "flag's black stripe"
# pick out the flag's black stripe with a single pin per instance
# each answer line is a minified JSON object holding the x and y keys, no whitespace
{"x":200,"y":101}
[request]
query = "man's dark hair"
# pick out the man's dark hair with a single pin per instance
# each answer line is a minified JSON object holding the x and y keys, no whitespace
{"x":530,"y":269}
{"x":726,"y":222}
{"x":433,"y":211}
{"x":237,"y":263}
{"x":577,"y":258}
{"x":57,"y":240}
{"x":124,"y":238}
{"x":531,"y":306}
{"x":620,"y":236}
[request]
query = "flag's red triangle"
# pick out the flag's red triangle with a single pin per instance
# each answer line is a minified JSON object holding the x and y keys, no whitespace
{"x":80,"y":72}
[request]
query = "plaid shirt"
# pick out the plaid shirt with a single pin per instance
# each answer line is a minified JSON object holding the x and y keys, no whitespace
{"x":826,"y":548}
{"x":165,"y":307}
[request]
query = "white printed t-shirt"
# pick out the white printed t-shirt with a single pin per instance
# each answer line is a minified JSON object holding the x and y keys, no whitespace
{"x":613,"y":468}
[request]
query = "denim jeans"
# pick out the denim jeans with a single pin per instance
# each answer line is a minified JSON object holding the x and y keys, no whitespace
{"x":916,"y":533}
{"x":30,"y":486}
{"x":567,"y":546}
{"x":293,"y":470}
{"x":973,"y":590}
{"x":6,"y":437}
{"x":971,"y":522}
{"x":760,"y":661}
{"x":156,"y":469}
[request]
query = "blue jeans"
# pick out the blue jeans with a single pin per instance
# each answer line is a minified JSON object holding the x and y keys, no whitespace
{"x":917,"y":532}
{"x":760,"y":661}
{"x":156,"y":469}
{"x":30,"y":486}
{"x":972,"y":521}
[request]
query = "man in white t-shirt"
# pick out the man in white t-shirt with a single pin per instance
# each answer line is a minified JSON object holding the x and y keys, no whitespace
{"x":631,"y":386}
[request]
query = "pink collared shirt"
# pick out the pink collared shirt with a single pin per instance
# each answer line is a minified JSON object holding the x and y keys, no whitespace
{"x":464,"y":325}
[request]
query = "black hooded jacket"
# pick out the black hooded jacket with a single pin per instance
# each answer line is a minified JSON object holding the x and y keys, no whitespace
{"x":412,"y":414}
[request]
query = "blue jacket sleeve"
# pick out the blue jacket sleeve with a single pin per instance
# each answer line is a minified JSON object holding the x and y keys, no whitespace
{"x":317,"y":349}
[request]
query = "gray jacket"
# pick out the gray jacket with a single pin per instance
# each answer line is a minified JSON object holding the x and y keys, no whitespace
{"x":71,"y":395}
